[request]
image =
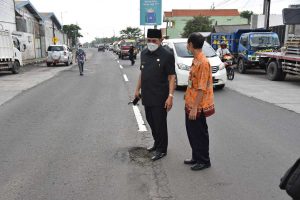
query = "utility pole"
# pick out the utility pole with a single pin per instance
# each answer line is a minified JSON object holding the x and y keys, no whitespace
{"x":53,"y":29}
{"x":266,"y":12}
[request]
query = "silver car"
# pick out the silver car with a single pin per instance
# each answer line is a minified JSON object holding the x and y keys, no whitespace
{"x":57,"y":54}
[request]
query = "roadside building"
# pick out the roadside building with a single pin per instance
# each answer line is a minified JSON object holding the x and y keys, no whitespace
{"x":28,"y":30}
{"x":7,"y":15}
{"x":53,"y":30}
{"x":177,"y":19}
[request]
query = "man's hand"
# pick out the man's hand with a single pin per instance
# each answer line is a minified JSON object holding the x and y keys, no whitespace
{"x":193,"y":114}
{"x":137,"y":94}
{"x":169,"y":103}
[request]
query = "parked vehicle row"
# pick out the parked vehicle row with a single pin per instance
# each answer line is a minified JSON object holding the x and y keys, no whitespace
{"x":244,"y":44}
{"x":121,"y":48}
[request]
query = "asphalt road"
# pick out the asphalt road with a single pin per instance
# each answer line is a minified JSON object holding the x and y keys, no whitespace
{"x":75,"y":138}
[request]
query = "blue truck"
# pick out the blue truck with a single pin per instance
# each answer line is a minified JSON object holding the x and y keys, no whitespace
{"x":244,"y":44}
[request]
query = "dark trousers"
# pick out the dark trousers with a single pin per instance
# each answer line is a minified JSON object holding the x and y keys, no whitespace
{"x":157,"y":119}
{"x":131,"y":58}
{"x":80,"y":65}
{"x":197,"y":132}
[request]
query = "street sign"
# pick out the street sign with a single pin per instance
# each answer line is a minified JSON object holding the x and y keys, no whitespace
{"x":150,"y":12}
{"x":55,"y":40}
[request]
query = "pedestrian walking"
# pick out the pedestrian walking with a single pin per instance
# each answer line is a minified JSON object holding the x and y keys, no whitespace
{"x":131,"y":55}
{"x":199,"y":104}
{"x":156,"y":84}
{"x":80,"y":58}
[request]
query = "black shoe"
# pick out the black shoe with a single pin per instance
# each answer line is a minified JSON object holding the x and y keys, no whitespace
{"x":158,"y":155}
{"x":189,"y":162}
{"x":81,"y":74}
{"x":150,"y":149}
{"x":200,"y":166}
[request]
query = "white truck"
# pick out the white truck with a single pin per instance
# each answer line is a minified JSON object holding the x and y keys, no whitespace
{"x":10,"y":55}
{"x":279,"y":64}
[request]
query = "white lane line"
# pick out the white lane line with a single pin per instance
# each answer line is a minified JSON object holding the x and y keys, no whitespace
{"x":118,"y":61}
{"x":121,"y":67}
{"x":139,"y":119}
{"x":125,"y":77}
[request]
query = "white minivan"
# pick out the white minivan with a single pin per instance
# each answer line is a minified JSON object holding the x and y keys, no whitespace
{"x":183,"y":62}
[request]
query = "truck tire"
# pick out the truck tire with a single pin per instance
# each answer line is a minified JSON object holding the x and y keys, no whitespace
{"x":274,"y":73}
{"x":16,"y":67}
{"x":241,"y":66}
{"x":48,"y":64}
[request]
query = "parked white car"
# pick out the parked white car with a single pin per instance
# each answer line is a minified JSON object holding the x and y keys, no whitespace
{"x":183,"y":61}
{"x":57,"y":54}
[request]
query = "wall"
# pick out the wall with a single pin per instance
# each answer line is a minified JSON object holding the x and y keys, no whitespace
{"x":7,"y":15}
{"x":26,"y":39}
{"x":178,"y":23}
{"x":258,"y":21}
{"x":49,"y":34}
{"x":29,"y":30}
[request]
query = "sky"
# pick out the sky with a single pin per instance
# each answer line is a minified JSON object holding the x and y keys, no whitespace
{"x":99,"y":18}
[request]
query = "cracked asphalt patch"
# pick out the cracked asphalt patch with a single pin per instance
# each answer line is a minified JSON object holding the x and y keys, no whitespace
{"x":156,"y":183}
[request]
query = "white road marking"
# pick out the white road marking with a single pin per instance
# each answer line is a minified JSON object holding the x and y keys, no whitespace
{"x":139,"y":119}
{"x":121,"y":67}
{"x":125,"y":77}
{"x":118,"y":61}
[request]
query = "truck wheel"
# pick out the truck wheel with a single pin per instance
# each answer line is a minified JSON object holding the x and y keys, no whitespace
{"x":273,"y":72}
{"x":16,"y":67}
{"x":48,"y":64}
{"x":241,"y":66}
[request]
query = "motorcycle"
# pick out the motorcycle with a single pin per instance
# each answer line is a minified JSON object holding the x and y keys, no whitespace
{"x":227,"y":59}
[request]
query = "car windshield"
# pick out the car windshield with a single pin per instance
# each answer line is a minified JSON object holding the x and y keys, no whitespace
{"x":264,"y":40}
{"x":55,"y":48}
{"x":182,"y":51}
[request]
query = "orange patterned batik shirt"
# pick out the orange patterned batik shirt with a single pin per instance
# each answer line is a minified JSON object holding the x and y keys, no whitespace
{"x":200,"y":79}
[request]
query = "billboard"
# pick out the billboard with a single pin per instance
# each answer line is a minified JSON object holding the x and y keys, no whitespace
{"x":150,"y":12}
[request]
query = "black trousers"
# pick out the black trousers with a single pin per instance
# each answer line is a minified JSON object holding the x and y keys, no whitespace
{"x":157,"y":119}
{"x":197,"y":132}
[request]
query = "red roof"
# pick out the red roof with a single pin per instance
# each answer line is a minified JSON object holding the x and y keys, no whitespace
{"x":204,"y":12}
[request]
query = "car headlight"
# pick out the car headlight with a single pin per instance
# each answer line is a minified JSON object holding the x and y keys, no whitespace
{"x":222,"y":66}
{"x":184,"y":67}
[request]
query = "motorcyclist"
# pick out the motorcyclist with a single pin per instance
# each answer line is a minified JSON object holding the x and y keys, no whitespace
{"x":223,"y":50}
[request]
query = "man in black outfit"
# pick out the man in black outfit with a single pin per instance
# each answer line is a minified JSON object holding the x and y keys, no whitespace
{"x":131,"y":55}
{"x":157,"y":84}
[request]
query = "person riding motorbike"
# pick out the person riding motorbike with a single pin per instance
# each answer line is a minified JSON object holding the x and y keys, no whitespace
{"x":227,"y":59}
{"x":223,"y":50}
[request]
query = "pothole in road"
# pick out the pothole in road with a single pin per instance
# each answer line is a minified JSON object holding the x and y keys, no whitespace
{"x":139,"y":156}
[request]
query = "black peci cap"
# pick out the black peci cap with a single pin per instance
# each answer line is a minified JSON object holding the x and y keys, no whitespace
{"x":154,"y":33}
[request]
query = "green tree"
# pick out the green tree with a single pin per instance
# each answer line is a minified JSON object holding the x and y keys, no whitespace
{"x":246,"y":14}
{"x":72,"y":32}
{"x":131,"y":33}
{"x":197,"y":24}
